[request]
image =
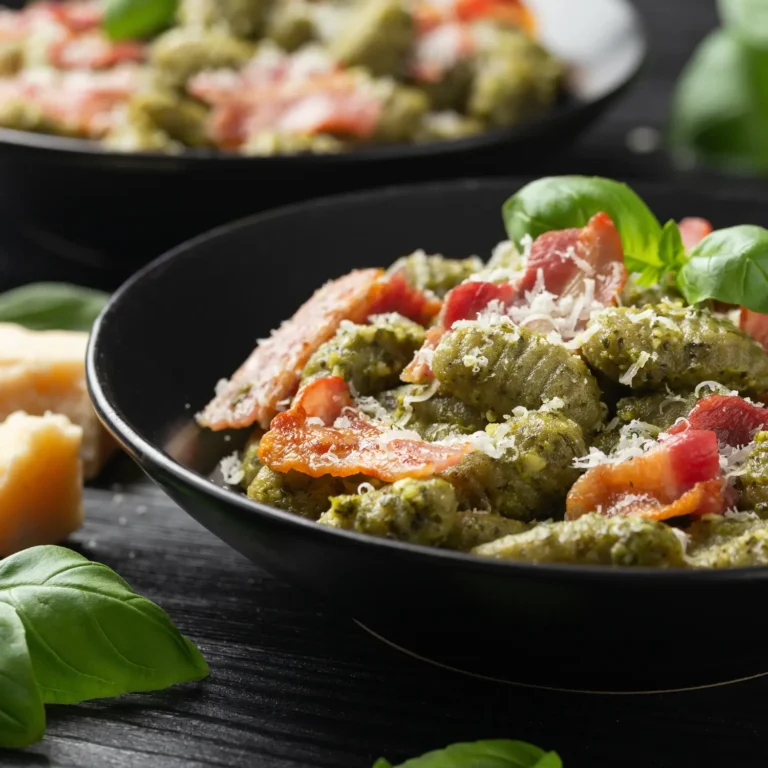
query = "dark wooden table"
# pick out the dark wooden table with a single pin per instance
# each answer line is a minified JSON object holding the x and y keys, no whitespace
{"x":294,"y":685}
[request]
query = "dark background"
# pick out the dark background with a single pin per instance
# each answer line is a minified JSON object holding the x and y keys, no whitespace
{"x":294,"y":685}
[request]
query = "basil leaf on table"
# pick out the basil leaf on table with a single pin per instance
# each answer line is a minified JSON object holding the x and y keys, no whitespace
{"x":746,"y":19}
{"x":22,"y":715}
{"x":719,"y":114}
{"x":560,"y":202}
{"x":498,"y":753}
{"x":125,"y":19}
{"x":52,"y":306}
{"x":89,"y":634}
{"x":729,"y":265}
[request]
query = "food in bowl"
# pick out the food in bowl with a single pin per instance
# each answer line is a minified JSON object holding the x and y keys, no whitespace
{"x":569,"y":401}
{"x":267,"y":77}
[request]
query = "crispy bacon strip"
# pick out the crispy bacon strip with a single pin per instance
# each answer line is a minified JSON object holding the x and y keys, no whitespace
{"x":756,"y":325}
{"x":731,"y":418}
{"x":273,"y":370}
{"x":681,"y":476}
{"x":564,"y":259}
{"x":399,"y":296}
{"x":569,"y":257}
{"x":693,"y":230}
{"x":429,"y":15}
{"x":463,"y":302}
{"x":289,"y":95}
{"x":324,"y":434}
{"x":94,"y":51}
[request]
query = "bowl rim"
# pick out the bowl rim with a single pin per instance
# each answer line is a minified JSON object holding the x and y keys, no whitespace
{"x":146,"y":451}
{"x":92,"y":148}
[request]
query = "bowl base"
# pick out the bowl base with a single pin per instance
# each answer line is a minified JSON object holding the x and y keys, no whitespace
{"x":605,"y":674}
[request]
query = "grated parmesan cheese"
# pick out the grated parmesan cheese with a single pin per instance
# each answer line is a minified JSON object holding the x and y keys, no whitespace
{"x":635,"y":439}
{"x":634,"y":369}
{"x":372,"y":408}
{"x":555,"y":404}
{"x":232,"y":469}
{"x":409,"y":400}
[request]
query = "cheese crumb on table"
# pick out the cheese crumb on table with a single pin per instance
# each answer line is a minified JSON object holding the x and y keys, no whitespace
{"x":44,"y":371}
{"x":41,"y":481}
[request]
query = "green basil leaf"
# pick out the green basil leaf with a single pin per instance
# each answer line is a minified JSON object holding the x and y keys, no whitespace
{"x":52,"y":307}
{"x":126,"y":19}
{"x":671,"y":249}
{"x":382,"y":763}
{"x":499,"y":753}
{"x":550,"y":760}
{"x":729,"y":265}
{"x":559,"y":202}
{"x":22,"y":714}
{"x":89,"y":634}
{"x":719,"y":113}
{"x":747,"y":20}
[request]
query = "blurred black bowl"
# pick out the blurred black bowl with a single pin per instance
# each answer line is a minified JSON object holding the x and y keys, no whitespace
{"x":192,"y":316}
{"x":81,"y":202}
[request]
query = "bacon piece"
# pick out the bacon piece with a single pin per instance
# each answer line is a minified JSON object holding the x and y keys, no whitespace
{"x":94,"y":51}
{"x":429,"y":15}
{"x":565,"y":259}
{"x":439,"y":50}
{"x":87,"y":106}
{"x":464,"y":302}
{"x":756,"y":325}
{"x":570,"y":256}
{"x":288,"y":94}
{"x":273,"y":370}
{"x":347,"y":114}
{"x":693,"y":230}
{"x":681,"y":476}
{"x":323,"y":434}
{"x":731,"y":418}
{"x":397,"y":295}
{"x":78,"y":17}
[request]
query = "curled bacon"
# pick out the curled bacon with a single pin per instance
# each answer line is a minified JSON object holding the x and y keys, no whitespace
{"x":324,"y":434}
{"x":568,"y":257}
{"x":693,"y":230}
{"x":429,"y":15}
{"x":731,"y":418}
{"x":463,"y":302}
{"x":290,"y":94}
{"x":398,"y":296}
{"x":564,"y":260}
{"x":273,"y":370}
{"x":94,"y":51}
{"x":681,"y":476}
{"x":756,"y":325}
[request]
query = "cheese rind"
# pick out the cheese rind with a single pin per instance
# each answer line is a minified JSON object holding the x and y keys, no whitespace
{"x":44,"y":371}
{"x":41,"y":481}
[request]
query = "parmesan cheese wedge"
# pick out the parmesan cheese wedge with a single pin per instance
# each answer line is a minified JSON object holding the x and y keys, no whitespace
{"x":41,"y":481}
{"x":44,"y":371}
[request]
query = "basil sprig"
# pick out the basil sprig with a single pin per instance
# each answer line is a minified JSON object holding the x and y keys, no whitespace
{"x":560,"y":202}
{"x":719,"y":115}
{"x":126,"y":19}
{"x":498,"y":753}
{"x":729,"y":265}
{"x":52,"y":306}
{"x":73,"y":630}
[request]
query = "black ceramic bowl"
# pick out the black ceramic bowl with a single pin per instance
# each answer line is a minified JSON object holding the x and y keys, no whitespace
{"x":192,"y":316}
{"x":82,"y":202}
